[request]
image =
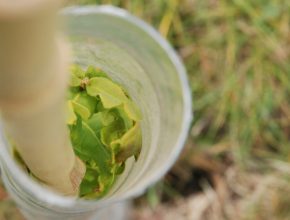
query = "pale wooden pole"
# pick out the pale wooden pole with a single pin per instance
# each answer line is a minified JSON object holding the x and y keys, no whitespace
{"x":33,"y":81}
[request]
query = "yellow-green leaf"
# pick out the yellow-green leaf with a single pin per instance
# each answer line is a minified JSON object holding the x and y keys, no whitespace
{"x":88,"y":146}
{"x":71,"y":116}
{"x":77,"y":71}
{"x":132,"y":110}
{"x":112,"y":132}
{"x":84,"y":105}
{"x":128,"y":122}
{"x":130,"y":144}
{"x":96,"y":122}
{"x":95,"y":72}
{"x":107,"y":117}
{"x":110,"y":93}
{"x":75,"y":81}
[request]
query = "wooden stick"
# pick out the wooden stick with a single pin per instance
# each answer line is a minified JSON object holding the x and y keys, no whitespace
{"x":33,"y":82}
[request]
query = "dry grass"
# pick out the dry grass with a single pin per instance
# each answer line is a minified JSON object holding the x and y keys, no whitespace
{"x":237,"y":195}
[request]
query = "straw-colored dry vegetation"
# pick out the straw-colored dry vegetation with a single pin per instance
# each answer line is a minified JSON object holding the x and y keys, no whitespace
{"x":235,"y":164}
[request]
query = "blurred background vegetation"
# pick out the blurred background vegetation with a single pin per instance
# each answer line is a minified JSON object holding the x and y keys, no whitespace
{"x":235,"y":163}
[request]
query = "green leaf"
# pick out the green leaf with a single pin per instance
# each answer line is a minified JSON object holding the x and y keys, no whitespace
{"x":71,"y":116}
{"x":130,"y":144}
{"x":90,"y":183}
{"x":119,"y":168}
{"x":77,"y":71}
{"x":110,"y":93}
{"x":88,"y":146}
{"x":107,"y":117}
{"x":75,"y":81}
{"x":106,"y":181}
{"x":112,"y":132}
{"x":128,"y":123}
{"x":95,"y":72}
{"x":96,"y":122}
{"x":73,"y":92}
{"x":109,"y":101}
{"x":132,"y":110}
{"x":100,"y":120}
{"x":100,"y":107}
{"x":81,"y":110}
{"x":84,"y":105}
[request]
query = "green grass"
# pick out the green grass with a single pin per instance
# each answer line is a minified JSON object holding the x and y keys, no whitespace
{"x":237,"y":55}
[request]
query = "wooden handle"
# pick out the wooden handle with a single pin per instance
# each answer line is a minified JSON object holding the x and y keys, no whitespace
{"x":33,"y":81}
{"x":15,"y":9}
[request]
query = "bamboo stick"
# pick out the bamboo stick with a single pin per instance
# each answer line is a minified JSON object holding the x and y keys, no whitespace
{"x":33,"y":80}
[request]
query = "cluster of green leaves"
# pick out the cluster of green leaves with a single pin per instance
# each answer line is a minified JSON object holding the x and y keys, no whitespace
{"x":104,"y":127}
